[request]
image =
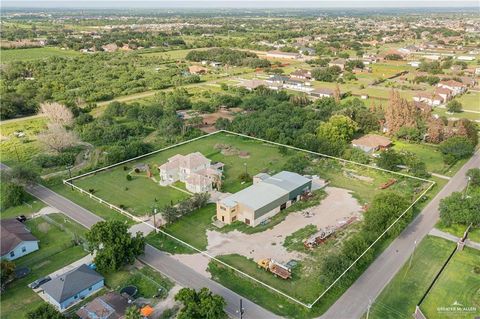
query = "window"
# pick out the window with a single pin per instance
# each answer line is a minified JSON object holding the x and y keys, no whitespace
{"x":75,"y":297}
{"x":24,"y":249}
{"x":12,"y":254}
{"x":223,"y":218}
{"x":90,"y":289}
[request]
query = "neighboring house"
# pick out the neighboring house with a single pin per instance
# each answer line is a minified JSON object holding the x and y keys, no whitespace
{"x":338,"y":62}
{"x":301,"y":74}
{"x":468,"y":81}
{"x":265,"y":198}
{"x":196,"y":69}
{"x":415,"y":64}
{"x":322,"y":92}
{"x":252,"y":84}
{"x":72,"y":287}
{"x":297,"y":85}
{"x":431,"y":99}
{"x":455,"y":86}
{"x":445,"y":94}
{"x":307,"y":51}
{"x":16,"y":240}
{"x":194,"y":169}
{"x":466,"y":58}
{"x":283,"y":55}
{"x":277,"y":79}
{"x":371,"y":143}
{"x":109,"y":306}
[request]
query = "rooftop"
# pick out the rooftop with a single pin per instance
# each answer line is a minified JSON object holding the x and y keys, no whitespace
{"x":13,"y":233}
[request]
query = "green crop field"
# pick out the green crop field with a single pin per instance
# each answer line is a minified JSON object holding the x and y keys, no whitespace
{"x":34,"y":54}
{"x":404,"y":291}
{"x":458,"y":285}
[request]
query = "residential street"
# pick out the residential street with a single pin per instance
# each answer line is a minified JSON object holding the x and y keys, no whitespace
{"x":162,"y":262}
{"x":354,"y":302}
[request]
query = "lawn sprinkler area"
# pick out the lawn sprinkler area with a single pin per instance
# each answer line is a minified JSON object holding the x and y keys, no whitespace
{"x":283,"y":254}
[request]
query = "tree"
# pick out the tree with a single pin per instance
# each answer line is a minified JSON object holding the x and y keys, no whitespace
{"x":389,"y":160}
{"x":7,"y":273}
{"x":385,"y":208}
{"x":474,"y":176}
{"x":454,"y":106}
{"x":400,"y":114}
{"x":170,"y":214}
{"x":200,"y":305}
{"x":23,"y":175}
{"x":57,"y":138}
{"x":57,"y":113}
{"x":460,"y":209}
{"x":338,"y":128}
{"x":456,"y":148}
{"x":297,"y":163}
{"x":336,"y":94}
{"x":133,"y":312}
{"x":45,"y":311}
{"x":13,"y":195}
{"x":114,"y":245}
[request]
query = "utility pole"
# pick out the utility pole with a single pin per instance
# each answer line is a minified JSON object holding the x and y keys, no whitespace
{"x":242,"y":311}
{"x":466,"y":188}
{"x":154,"y":223}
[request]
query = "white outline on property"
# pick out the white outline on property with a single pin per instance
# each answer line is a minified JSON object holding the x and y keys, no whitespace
{"x":137,"y":219}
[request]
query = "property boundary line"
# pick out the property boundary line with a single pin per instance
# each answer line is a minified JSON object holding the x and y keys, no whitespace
{"x":137,"y":219}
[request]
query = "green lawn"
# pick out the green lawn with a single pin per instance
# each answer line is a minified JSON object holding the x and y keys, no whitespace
{"x":470,"y":101}
{"x":295,"y":240}
{"x":399,"y":297}
{"x":149,"y":282}
{"x":458,"y":230}
{"x":20,"y":149}
{"x":190,"y":228}
{"x":34,"y":54}
{"x":461,"y":115}
{"x":30,"y":206}
{"x":56,"y":251}
{"x":430,"y":155}
{"x":459,"y":283}
{"x":140,"y":194}
{"x":89,"y":204}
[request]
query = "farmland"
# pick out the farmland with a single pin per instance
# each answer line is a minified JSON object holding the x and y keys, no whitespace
{"x":35,"y":54}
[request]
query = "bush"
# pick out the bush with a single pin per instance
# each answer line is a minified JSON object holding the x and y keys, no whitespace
{"x":129,"y":177}
{"x":12,"y":195}
{"x":456,"y":148}
{"x":454,"y":106}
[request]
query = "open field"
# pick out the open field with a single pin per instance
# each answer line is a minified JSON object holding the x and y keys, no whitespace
{"x":462,"y":115}
{"x":470,"y":101}
{"x":458,"y":285}
{"x":34,"y":54}
{"x":56,"y":251}
{"x":458,"y":230}
{"x":16,"y":148}
{"x":149,"y":282}
{"x":404,"y":291}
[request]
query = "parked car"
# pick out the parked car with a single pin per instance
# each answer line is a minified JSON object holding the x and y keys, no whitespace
{"x":21,"y":218}
{"x":37,"y":283}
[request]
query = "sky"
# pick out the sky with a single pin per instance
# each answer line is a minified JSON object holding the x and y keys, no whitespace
{"x":238,"y":3}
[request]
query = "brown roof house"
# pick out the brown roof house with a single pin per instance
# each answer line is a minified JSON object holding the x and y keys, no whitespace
{"x":338,"y":62}
{"x":455,"y":86}
{"x":194,"y":169}
{"x":301,"y":74}
{"x":196,"y":69}
{"x":112,"y":305}
{"x":371,"y":143}
{"x":16,"y":240}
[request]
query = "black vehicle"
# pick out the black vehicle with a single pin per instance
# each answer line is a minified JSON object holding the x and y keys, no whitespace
{"x":37,"y":283}
{"x":21,"y":218}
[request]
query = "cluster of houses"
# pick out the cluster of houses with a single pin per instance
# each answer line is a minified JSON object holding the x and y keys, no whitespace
{"x":298,"y":80}
{"x":444,"y":91}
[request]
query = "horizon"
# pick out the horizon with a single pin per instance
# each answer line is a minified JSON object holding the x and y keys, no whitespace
{"x":231,"y":4}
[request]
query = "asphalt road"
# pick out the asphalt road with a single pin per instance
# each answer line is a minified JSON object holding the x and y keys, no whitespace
{"x":157,"y":259}
{"x":354,"y":302}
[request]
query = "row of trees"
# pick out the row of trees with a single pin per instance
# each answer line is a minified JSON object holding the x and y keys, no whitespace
{"x":172,"y":213}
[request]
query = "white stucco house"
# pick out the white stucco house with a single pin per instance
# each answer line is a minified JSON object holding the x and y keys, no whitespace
{"x":194,"y":169}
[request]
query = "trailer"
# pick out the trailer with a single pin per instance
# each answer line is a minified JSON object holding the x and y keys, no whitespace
{"x":277,"y":269}
{"x":318,"y":238}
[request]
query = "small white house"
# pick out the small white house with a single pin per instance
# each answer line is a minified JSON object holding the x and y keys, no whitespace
{"x":16,"y":240}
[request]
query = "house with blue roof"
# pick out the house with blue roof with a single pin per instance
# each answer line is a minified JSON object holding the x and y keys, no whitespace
{"x":72,"y":287}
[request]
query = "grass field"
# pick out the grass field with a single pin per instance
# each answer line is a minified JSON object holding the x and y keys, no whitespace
{"x":190,"y":228}
{"x":458,"y":230}
{"x":20,"y":149}
{"x":404,"y":291}
{"x":149,"y":282}
{"x":34,"y":54}
{"x":430,"y":155}
{"x":56,"y":251}
{"x":470,"y":101}
{"x":458,"y":284}
{"x":140,"y":194}
{"x":462,"y":115}
{"x":30,"y":206}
